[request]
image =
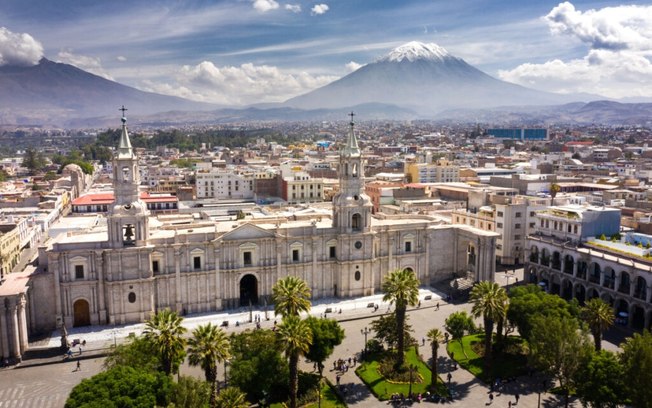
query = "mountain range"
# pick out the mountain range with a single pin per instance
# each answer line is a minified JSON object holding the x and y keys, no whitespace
{"x":413,"y":81}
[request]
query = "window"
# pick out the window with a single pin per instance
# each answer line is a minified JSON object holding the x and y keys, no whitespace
{"x":131,"y":297}
{"x":517,"y":226}
{"x":331,"y":252}
{"x":408,"y":246}
{"x":499,"y":246}
{"x":499,"y":225}
{"x":574,"y":229}
{"x":532,"y":224}
{"x":246,"y":258}
{"x":155,"y":267}
{"x":295,"y":255}
{"x":517,"y":237}
{"x":79,"y":271}
{"x":500,"y":213}
{"x":532,"y":214}
{"x":357,"y":275}
{"x":517,"y":215}
{"x":196,"y":262}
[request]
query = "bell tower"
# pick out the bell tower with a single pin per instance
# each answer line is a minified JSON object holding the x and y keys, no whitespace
{"x":351,"y":206}
{"x":128,"y":218}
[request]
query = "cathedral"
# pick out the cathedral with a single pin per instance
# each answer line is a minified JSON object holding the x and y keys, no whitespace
{"x":136,"y":264}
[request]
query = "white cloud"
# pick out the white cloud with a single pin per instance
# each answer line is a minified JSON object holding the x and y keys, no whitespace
{"x":618,"y":62}
{"x":19,"y":49}
{"x":318,"y":9}
{"x":352,"y":66}
{"x":86,"y":63}
{"x":121,"y":58}
{"x":264,"y":6}
{"x":239,"y":85}
{"x":295,"y":8}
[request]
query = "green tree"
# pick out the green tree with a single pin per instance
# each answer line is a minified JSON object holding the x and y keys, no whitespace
{"x":258,"y":367}
{"x":637,"y":362}
{"x":33,"y":160}
{"x":296,"y":337}
{"x":139,"y":352}
{"x":436,"y":337}
{"x":232,"y":397}
{"x":165,"y":332}
{"x":600,"y":317}
{"x":529,"y":301}
{"x":190,"y":392}
{"x":488,"y":300}
{"x":600,"y":382}
{"x":122,"y":387}
{"x":558,"y":347}
{"x":385,"y":329}
{"x":291,"y":296}
{"x":401,"y":288}
{"x":457,"y":324}
{"x":326,"y":335}
{"x":207,"y":347}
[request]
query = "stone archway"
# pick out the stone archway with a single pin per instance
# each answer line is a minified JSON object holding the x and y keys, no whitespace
{"x":248,"y":290}
{"x":81,"y":313}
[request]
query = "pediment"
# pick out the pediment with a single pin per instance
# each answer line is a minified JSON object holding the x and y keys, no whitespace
{"x":247,"y":232}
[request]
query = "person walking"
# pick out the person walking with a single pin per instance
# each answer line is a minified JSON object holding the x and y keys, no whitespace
{"x":450,"y":377}
{"x":491,"y":398}
{"x":78,"y":366}
{"x":516,"y":397}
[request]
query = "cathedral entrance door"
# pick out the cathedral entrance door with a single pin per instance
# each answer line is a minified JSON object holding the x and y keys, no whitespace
{"x":248,"y":290}
{"x":82,"y":313}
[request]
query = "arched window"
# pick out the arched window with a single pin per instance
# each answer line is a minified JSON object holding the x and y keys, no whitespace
{"x":356,"y":222}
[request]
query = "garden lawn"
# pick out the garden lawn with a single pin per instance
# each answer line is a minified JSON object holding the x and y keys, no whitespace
{"x":383,"y":389}
{"x":512,"y":362}
{"x":328,"y":399}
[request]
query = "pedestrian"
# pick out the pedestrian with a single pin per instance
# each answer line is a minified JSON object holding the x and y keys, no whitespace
{"x":337,"y":379}
{"x":78,"y":366}
{"x":419,"y":304}
{"x":355,"y":360}
{"x":450,"y":377}
{"x":437,"y":305}
{"x":516,"y":397}
{"x":423,"y":341}
{"x":349,"y":360}
{"x":491,"y":398}
{"x":509,"y":404}
{"x":80,"y":350}
{"x":334,"y":365}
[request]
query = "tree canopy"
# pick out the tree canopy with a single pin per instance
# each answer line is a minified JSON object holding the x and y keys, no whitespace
{"x":637,"y":363}
{"x":600,"y":382}
{"x":122,"y":386}
{"x":326,"y":335}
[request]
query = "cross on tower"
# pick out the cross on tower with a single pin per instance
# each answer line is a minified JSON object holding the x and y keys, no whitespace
{"x":123,"y":109}
{"x":351,"y":115}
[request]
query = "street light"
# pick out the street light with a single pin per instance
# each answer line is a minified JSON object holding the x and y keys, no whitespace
{"x":412,"y":368}
{"x":543,"y":389}
{"x":366,"y":331}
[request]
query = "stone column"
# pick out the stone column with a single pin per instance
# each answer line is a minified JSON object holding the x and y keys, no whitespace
{"x":22,"y":324}
{"x":219,"y":295}
{"x":99,"y":264}
{"x":177,"y":285}
{"x":14,"y":329}
{"x":4,"y":330}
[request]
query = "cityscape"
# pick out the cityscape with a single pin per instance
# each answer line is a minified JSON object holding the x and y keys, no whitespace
{"x":197,"y":214}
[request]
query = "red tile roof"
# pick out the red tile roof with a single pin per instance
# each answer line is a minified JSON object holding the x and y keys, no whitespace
{"x":109,"y":198}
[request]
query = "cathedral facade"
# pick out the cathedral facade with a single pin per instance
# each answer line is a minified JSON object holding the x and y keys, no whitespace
{"x":139,"y":264}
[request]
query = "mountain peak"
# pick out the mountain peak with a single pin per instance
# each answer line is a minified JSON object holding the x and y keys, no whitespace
{"x":415,"y":50}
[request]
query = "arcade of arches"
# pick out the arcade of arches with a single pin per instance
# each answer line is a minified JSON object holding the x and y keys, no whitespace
{"x":583,"y":274}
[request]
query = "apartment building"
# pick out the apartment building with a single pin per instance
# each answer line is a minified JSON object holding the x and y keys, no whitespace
{"x":225,"y":184}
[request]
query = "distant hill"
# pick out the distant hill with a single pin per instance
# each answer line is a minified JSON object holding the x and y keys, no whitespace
{"x":54,"y":93}
{"x":428,"y":80}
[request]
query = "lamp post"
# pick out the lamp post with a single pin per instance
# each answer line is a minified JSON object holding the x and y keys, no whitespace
{"x":543,"y":389}
{"x":412,"y":368}
{"x":365,"y":331}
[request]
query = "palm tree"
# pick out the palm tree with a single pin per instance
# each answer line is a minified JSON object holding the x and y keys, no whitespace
{"x":207,"y":347}
{"x":291,"y":296}
{"x":401,"y":288}
{"x":488,"y":302}
{"x":502,"y":318}
{"x":435,"y":336}
{"x":165,"y":332}
{"x":232,"y":397}
{"x":296,"y":337}
{"x":599,"y":316}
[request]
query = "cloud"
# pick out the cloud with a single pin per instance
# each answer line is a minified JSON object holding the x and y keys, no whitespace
{"x":121,"y":58}
{"x":86,"y":63}
{"x":264,"y":6}
{"x":295,"y":8}
{"x":239,"y":85}
{"x":352,"y":66}
{"x":19,"y":49}
{"x":618,"y":60}
{"x":318,"y":9}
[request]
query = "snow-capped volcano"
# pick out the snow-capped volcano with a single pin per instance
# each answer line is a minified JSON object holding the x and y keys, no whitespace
{"x":415,"y":50}
{"x":424,"y":78}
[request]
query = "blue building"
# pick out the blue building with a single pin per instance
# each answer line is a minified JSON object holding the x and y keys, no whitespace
{"x":522,"y":134}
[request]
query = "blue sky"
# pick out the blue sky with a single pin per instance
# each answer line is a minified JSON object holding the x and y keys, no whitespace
{"x":248,"y":51}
